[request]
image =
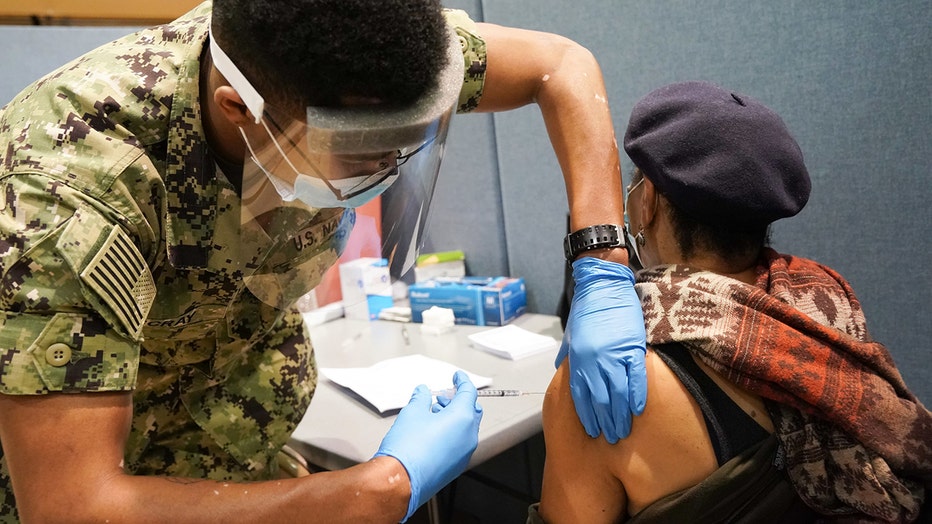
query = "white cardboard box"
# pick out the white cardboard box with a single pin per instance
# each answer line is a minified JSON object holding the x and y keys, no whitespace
{"x":366,"y":287}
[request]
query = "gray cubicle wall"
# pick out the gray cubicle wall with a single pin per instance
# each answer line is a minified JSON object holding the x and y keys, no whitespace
{"x":851,"y":78}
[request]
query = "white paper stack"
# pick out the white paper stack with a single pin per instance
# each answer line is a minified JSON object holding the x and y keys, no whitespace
{"x":513,"y":342}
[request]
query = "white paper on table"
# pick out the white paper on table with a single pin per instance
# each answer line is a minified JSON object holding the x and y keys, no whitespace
{"x":388,"y":385}
{"x":513,"y":342}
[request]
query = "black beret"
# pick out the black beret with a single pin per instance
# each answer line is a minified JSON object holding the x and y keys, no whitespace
{"x":721,"y":157}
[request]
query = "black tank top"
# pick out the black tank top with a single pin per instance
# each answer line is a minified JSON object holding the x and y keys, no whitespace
{"x":730,"y":428}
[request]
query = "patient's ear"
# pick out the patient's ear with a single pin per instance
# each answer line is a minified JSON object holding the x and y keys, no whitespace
{"x":232,"y":107}
{"x":650,"y":203}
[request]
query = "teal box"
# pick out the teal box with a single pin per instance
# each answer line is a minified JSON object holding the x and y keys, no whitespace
{"x":475,"y":301}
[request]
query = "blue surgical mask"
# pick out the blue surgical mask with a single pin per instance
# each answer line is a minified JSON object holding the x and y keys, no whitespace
{"x":315,"y":192}
{"x":348,"y":192}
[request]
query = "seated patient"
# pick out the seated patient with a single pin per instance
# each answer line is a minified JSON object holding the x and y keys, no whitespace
{"x":767,"y":399}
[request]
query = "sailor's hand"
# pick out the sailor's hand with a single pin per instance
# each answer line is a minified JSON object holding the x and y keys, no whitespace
{"x":605,"y":342}
{"x":434,"y":442}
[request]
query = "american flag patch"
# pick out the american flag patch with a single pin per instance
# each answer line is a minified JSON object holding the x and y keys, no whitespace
{"x":121,"y":278}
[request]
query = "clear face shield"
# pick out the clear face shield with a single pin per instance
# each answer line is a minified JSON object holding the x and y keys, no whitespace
{"x":300,"y":175}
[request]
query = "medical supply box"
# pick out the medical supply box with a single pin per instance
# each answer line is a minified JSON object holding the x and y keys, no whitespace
{"x":475,"y":301}
{"x":366,"y":288}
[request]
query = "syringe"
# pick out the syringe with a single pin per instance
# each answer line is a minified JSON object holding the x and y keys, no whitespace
{"x":500,"y":392}
{"x":448,"y":393}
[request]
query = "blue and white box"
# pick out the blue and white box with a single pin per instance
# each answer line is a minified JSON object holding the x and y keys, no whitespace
{"x":366,"y":287}
{"x":475,"y":301}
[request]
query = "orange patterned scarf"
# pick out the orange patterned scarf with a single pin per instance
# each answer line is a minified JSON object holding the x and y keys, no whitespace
{"x":854,"y":440}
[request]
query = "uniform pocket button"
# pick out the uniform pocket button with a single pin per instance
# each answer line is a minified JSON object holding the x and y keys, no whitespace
{"x":58,"y":354}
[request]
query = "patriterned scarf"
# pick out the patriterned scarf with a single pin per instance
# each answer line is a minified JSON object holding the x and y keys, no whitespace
{"x":854,"y":440}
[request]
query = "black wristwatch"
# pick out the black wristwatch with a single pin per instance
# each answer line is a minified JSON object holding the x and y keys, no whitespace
{"x":593,"y":237}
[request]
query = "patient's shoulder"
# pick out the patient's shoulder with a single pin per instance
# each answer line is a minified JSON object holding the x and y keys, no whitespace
{"x":667,"y":450}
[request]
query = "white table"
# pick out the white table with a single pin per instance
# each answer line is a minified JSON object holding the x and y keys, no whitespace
{"x":339,"y":430}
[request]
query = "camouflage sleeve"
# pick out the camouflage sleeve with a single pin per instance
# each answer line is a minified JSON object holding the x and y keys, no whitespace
{"x":75,"y":290}
{"x":473,"y":55}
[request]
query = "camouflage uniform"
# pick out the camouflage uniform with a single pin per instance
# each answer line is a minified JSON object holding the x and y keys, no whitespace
{"x":118,"y":274}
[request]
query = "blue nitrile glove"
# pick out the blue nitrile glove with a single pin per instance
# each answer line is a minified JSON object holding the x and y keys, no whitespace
{"x":434,"y":443}
{"x":605,"y":340}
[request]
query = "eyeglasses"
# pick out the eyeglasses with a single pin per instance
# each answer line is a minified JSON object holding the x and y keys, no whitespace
{"x":359,"y":184}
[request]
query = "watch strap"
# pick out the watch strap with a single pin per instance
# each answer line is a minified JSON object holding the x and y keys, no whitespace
{"x":593,"y":237}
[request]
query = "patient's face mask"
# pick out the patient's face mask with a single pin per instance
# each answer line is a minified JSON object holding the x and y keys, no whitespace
{"x":634,"y":260}
{"x":345,"y":157}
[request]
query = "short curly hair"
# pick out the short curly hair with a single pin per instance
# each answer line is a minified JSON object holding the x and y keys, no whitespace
{"x":315,"y":52}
